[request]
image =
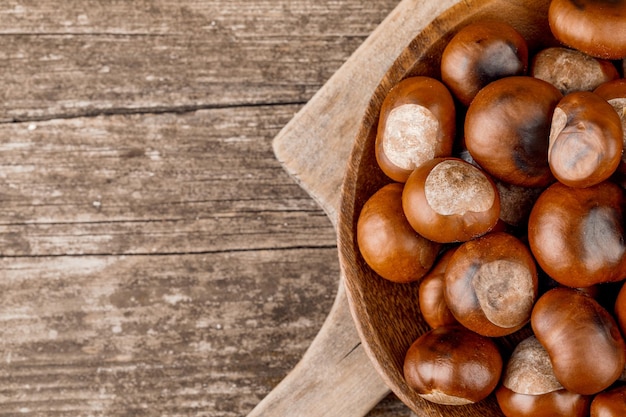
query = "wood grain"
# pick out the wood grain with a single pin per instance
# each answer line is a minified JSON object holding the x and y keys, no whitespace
{"x":156,"y":259}
{"x":94,"y":297}
{"x":71,"y":187}
{"x":89,"y":57}
{"x":152,"y":335}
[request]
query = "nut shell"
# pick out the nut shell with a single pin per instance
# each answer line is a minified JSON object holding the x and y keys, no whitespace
{"x":620,"y":309}
{"x":561,"y":403}
{"x":570,"y":70}
{"x":432,"y":302}
{"x":417,"y":123}
{"x":614,"y":92}
{"x":577,"y":235}
{"x":611,"y":403}
{"x":449,"y":200}
{"x":491,"y":284}
{"x":507,"y":127}
{"x":387,"y":241}
{"x":583,"y":340}
{"x":452,"y":365}
{"x":529,"y":370}
{"x":586,"y":140}
{"x":595,"y":27}
{"x":480,"y":53}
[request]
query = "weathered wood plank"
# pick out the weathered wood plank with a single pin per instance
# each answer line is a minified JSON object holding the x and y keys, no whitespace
{"x":135,"y":335}
{"x":87,"y":57}
{"x":204,"y":181}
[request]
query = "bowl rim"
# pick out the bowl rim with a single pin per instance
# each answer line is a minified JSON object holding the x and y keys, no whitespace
{"x":432,"y":36}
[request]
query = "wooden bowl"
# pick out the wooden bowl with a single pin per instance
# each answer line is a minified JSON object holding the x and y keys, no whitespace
{"x":386,"y":314}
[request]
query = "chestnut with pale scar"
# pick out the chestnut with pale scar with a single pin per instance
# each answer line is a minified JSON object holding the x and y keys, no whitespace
{"x":407,"y":136}
{"x":416,"y":124}
{"x":529,"y":387}
{"x":449,"y":200}
{"x":586,"y":140}
{"x":491,"y":284}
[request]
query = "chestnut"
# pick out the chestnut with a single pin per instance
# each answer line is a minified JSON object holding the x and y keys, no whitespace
{"x":516,"y":202}
{"x":387,"y":242}
{"x":561,"y":403}
{"x":610,"y":403}
{"x":583,"y":340}
{"x":491,"y":284}
{"x":586,"y":140}
{"x":480,"y":53}
{"x":432,"y":302}
{"x":570,"y":70}
{"x":595,"y":27}
{"x":577,"y":236}
{"x":620,"y":309}
{"x":451,"y":365}
{"x":530,"y":389}
{"x":507,"y":127}
{"x":449,"y":200}
{"x":417,"y":123}
{"x":614,"y":92}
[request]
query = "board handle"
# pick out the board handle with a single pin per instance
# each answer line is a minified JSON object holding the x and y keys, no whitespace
{"x":333,"y":378}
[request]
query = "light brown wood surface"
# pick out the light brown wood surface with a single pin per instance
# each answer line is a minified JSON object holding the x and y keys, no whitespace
{"x":156,"y":258}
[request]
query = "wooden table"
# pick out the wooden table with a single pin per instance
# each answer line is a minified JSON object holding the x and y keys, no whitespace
{"x":156,"y":258}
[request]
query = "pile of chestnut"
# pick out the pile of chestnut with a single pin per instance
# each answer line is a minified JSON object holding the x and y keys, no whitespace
{"x":506,"y":207}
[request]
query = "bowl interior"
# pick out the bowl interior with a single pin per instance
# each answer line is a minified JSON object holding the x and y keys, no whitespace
{"x":387,"y":315}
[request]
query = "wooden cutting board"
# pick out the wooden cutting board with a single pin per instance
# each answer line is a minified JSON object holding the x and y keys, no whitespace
{"x":335,"y":377}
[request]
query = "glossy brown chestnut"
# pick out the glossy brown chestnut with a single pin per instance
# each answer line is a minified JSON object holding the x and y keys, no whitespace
{"x":507,"y":127}
{"x":452,"y":365}
{"x":417,"y":123}
{"x":388,"y":243}
{"x":595,"y":27}
{"x":561,"y":403}
{"x":614,"y":92}
{"x":480,"y":53}
{"x":586,"y":140}
{"x":570,"y":70}
{"x":620,"y":309}
{"x":529,"y":387}
{"x":611,"y":403}
{"x":449,"y":200}
{"x":432,"y":302}
{"x":577,"y":234}
{"x":583,"y":340}
{"x":611,"y":90}
{"x":491,"y":284}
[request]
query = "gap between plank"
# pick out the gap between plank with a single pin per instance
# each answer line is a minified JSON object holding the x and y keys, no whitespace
{"x":164,"y":254}
{"x":126,"y":111}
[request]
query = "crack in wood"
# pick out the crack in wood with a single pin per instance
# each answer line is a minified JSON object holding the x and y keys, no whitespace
{"x":127,"y":111}
{"x":111,"y":34}
{"x":351,"y":350}
{"x":156,"y":220}
{"x":167,"y":254}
